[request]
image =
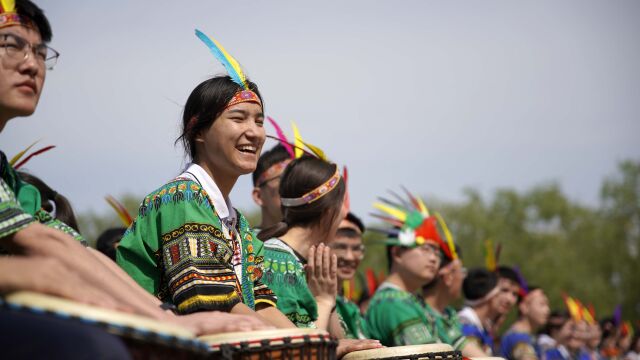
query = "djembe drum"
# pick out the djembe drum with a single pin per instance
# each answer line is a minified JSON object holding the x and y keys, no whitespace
{"x":410,"y":352}
{"x":145,"y":338}
{"x":284,"y":344}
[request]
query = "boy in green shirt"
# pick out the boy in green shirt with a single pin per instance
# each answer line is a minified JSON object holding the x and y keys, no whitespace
{"x":348,"y":247}
{"x":396,"y":315}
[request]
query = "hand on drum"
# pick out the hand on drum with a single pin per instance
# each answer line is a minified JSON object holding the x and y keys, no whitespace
{"x":52,"y":277}
{"x":322,"y":274}
{"x":346,"y":346}
{"x":214,"y":322}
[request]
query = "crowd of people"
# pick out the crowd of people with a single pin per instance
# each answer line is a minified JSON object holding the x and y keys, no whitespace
{"x":190,"y":259}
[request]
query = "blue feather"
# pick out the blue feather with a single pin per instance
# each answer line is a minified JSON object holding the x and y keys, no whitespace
{"x":215,"y":50}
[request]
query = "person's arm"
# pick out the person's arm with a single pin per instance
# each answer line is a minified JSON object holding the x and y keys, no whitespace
{"x":472,"y":349}
{"x":322,"y":278}
{"x":274,"y":317}
{"x":41,"y":241}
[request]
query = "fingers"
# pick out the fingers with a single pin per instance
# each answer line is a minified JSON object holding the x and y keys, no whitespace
{"x":326,"y":262}
{"x":319,"y":260}
{"x":311,"y":260}
{"x":346,"y":346}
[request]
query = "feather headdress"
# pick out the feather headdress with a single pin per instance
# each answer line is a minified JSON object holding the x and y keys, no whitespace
{"x":412,"y":223}
{"x":9,"y":15}
{"x":300,"y":148}
{"x":15,"y":160}
{"x":122,"y":212}
{"x":233,"y":69}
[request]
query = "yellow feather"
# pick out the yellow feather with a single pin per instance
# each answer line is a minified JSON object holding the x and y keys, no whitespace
{"x":447,"y":234}
{"x":423,"y":207}
{"x":232,"y":61}
{"x":8,"y":5}
{"x":297,"y":142}
{"x":398,"y":214}
{"x":490,"y":256}
{"x":17,"y":157}
{"x":316,"y":150}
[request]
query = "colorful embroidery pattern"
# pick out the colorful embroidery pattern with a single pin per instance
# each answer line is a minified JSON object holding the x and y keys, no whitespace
{"x":178,"y":249}
{"x":12,"y":217}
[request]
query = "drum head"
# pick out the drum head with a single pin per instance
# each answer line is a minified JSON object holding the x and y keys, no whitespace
{"x":398,"y":351}
{"x":257,"y":336}
{"x":45,"y":303}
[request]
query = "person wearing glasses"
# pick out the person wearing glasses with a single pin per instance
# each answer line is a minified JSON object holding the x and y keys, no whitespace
{"x":46,"y":257}
{"x":439,"y":296}
{"x":266,"y":182}
{"x":349,"y":249}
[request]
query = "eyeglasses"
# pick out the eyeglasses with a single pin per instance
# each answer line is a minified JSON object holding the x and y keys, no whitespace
{"x":357,"y":250}
{"x":18,"y":49}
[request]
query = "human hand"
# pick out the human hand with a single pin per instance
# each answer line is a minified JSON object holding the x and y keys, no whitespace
{"x":346,"y":346}
{"x":52,"y":277}
{"x":322,"y":274}
{"x":214,"y":322}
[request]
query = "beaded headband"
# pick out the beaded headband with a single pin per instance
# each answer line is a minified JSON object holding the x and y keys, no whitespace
{"x":272,"y":172}
{"x":244,"y":96}
{"x":9,"y":16}
{"x":314,"y":194}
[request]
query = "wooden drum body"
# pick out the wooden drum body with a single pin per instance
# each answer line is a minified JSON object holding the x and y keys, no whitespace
{"x":305,"y":344}
{"x":410,"y":352}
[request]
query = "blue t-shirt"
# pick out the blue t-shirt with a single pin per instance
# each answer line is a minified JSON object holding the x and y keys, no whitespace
{"x":516,"y":344}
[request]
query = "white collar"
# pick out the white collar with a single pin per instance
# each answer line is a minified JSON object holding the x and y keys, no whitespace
{"x":196,"y":173}
{"x":469,"y":315}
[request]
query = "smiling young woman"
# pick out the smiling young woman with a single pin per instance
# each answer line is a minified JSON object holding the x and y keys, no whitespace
{"x":188,"y":245}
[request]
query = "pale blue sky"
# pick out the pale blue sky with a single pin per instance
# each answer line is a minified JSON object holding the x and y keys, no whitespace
{"x":436,"y":95}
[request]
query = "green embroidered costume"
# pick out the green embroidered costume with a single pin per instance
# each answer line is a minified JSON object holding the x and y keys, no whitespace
{"x":446,"y":327}
{"x":284,"y":274}
{"x":396,"y":318}
{"x":20,"y":205}
{"x":350,"y":314}
{"x":189,"y":248}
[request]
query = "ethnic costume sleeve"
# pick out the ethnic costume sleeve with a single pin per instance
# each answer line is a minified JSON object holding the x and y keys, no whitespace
{"x":446,"y":327}
{"x":176,"y":249}
{"x":263,"y":295}
{"x":12,"y":217}
{"x":518,"y":346}
{"x":353,"y":321}
{"x":397,"y":318}
{"x":284,"y":274}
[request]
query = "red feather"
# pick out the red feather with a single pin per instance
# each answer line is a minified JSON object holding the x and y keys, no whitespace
{"x":35,"y":153}
{"x":282,"y":137}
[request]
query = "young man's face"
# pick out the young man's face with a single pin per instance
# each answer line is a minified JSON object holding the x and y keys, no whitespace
{"x":21,"y":79}
{"x":348,"y":249}
{"x":267,"y":196}
{"x":502,"y":303}
{"x":421,"y":263}
{"x":458,"y":273}
{"x":536,"y":306}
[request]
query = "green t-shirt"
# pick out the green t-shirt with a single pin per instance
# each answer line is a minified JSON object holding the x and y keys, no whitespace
{"x":284,"y":274}
{"x":349,"y":313}
{"x":446,"y":327}
{"x":397,"y":318}
{"x":179,"y":250}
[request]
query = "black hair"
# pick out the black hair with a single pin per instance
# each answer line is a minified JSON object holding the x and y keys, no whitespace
{"x":107,"y":240}
{"x":50,"y":198}
{"x":28,"y":9}
{"x":275,"y":155}
{"x":557,"y":319}
{"x":348,"y":232}
{"x":352,"y":218}
{"x":478,"y":283}
{"x":301,"y":176}
{"x":507,"y":272}
{"x":205,"y":103}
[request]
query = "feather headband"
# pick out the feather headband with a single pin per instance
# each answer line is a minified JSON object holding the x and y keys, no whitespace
{"x":9,"y":16}
{"x":122,"y":212}
{"x":413,"y":225}
{"x":233,"y":69}
{"x":15,"y":160}
{"x":296,"y":151}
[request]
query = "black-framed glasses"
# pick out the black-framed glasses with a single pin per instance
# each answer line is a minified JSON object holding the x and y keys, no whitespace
{"x":15,"y":48}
